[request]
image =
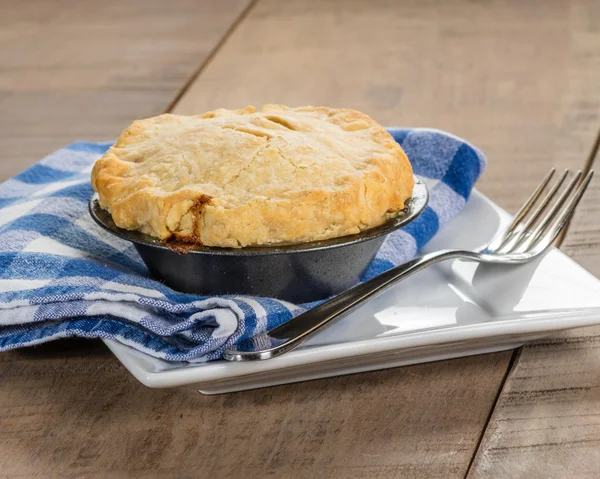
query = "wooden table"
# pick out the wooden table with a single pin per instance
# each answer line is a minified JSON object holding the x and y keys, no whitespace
{"x":519,"y":79}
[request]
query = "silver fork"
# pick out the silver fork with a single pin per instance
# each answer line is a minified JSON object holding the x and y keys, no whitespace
{"x":535,"y":227}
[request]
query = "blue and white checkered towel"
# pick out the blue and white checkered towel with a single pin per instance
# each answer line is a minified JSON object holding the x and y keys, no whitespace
{"x":62,"y":276}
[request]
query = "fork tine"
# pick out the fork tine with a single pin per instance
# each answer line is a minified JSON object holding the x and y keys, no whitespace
{"x":525,"y":208}
{"x":559,"y":223}
{"x":518,"y":234}
{"x":527,"y":241}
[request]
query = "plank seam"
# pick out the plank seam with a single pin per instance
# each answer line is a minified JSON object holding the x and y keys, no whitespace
{"x":513,"y":361}
{"x":194,"y":76}
{"x":589,"y":162}
{"x":517,"y":354}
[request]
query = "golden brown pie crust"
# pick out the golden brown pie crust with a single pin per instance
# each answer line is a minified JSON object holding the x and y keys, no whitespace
{"x":234,"y":178}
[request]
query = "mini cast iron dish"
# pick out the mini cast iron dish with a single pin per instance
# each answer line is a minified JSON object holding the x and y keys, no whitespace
{"x":298,"y":272}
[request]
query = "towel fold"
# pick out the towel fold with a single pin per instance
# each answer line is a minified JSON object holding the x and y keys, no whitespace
{"x":61,"y":275}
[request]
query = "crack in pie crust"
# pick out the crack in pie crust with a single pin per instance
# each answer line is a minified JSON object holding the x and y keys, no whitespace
{"x":234,"y":178}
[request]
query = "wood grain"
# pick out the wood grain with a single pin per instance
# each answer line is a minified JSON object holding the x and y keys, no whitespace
{"x":512,"y":76}
{"x":516,"y":78}
{"x":483,"y":71}
{"x":547,"y":419}
{"x":83,"y":70}
{"x":79,"y":413}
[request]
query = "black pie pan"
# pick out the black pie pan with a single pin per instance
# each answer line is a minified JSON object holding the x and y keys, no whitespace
{"x":298,"y":273}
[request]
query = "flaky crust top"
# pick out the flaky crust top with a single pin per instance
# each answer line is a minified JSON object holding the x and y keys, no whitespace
{"x":234,"y":178}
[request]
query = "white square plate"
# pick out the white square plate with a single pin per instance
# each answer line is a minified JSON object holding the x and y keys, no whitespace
{"x":449,"y":310}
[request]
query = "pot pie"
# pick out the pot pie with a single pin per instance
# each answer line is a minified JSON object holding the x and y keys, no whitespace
{"x":235,"y":178}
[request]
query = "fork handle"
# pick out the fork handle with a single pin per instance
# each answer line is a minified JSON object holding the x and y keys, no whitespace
{"x":301,"y":328}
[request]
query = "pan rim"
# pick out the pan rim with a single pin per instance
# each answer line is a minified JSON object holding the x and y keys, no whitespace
{"x":415,"y":206}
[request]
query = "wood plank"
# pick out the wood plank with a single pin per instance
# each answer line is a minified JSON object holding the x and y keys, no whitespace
{"x":482,"y":71}
{"x":82,"y":70}
{"x":583,"y":239}
{"x":462,"y":66}
{"x":68,"y":408}
{"x":512,"y":77}
{"x":547,"y":419}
